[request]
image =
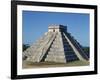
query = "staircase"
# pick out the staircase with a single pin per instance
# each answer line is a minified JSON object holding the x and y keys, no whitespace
{"x":56,"y":52}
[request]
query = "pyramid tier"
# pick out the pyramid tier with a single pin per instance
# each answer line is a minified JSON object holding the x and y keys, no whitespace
{"x":56,"y":45}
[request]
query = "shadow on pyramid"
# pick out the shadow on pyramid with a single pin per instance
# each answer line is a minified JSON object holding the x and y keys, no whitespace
{"x":56,"y":45}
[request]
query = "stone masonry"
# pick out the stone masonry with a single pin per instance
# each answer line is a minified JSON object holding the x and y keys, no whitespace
{"x":57,"y":45}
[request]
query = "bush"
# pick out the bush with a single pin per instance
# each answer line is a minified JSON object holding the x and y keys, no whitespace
{"x":25,"y":46}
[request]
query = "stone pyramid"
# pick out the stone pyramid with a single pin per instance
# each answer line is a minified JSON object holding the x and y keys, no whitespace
{"x":56,"y":45}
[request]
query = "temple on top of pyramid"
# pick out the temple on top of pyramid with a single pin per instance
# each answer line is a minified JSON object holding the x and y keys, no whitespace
{"x":56,"y":45}
{"x":57,"y":28}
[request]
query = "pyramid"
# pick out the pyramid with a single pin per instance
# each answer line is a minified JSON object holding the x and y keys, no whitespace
{"x":56,"y":45}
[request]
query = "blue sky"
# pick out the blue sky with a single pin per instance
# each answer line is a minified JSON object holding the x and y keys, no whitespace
{"x":35,"y":24}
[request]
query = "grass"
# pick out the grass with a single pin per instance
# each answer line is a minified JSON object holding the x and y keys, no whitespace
{"x":29,"y":65}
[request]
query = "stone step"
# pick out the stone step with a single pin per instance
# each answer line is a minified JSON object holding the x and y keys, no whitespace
{"x":70,"y":55}
{"x":69,"y":52}
{"x":58,"y":45}
{"x":60,"y":54}
{"x":55,"y":56}
{"x":55,"y":52}
{"x":55,"y":49}
{"x":71,"y":59}
{"x":68,"y":49}
{"x":57,"y":42}
{"x":55,"y":59}
{"x":66,"y":45}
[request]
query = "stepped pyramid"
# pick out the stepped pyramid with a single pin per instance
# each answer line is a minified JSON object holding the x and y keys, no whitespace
{"x":56,"y":45}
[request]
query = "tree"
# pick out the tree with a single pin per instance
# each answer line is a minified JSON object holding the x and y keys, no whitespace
{"x":87,"y":50}
{"x":25,"y":46}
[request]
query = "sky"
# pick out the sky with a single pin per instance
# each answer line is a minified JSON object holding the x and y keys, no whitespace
{"x":36,"y":23}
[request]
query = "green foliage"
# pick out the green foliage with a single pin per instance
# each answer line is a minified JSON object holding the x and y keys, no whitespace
{"x":86,"y":49}
{"x":25,"y":46}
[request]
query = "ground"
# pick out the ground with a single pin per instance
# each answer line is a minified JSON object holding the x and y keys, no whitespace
{"x":27,"y":65}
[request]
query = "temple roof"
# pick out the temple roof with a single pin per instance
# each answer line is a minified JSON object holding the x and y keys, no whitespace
{"x":57,"y":26}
